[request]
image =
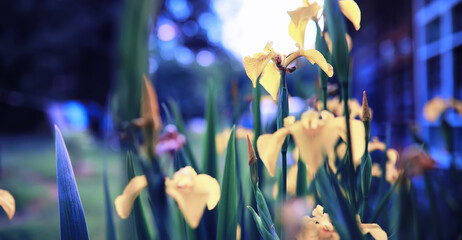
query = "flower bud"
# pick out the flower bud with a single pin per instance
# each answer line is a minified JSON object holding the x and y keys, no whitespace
{"x":252,"y":161}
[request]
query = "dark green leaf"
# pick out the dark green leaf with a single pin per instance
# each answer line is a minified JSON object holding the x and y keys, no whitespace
{"x":265,"y":234}
{"x":71,"y":216}
{"x":302,"y":185}
{"x":227,"y":207}
{"x":210,"y":152}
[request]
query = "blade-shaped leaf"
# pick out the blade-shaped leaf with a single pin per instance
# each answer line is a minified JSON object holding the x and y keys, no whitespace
{"x":227,"y":207}
{"x":302,"y":185}
{"x":71,"y":216}
{"x":110,"y":228}
{"x":265,"y":234}
{"x":210,"y":152}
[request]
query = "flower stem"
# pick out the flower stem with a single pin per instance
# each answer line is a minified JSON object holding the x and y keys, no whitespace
{"x":283,"y":112}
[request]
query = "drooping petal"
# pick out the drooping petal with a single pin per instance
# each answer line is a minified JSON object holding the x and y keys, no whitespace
{"x":375,"y":230}
{"x":351,"y":11}
{"x":299,"y":18}
{"x":192,"y":193}
{"x":304,"y":12}
{"x":357,"y":137}
{"x":124,"y":203}
{"x":7,"y":203}
{"x":255,"y":65}
{"x":191,"y":203}
{"x":313,"y":56}
{"x":297,"y":32}
{"x":270,"y":79}
{"x":204,"y":183}
{"x":269,"y":146}
{"x":314,"y":143}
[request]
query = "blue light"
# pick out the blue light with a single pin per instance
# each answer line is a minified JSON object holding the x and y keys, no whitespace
{"x":76,"y":115}
{"x":184,"y":56}
{"x":190,"y":28}
{"x":180,"y":9}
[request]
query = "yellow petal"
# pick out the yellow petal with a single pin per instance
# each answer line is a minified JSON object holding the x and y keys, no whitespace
{"x":434,"y":108}
{"x":289,"y":121}
{"x":351,"y":11}
{"x":357,"y":137}
{"x":376,"y":171}
{"x":313,"y":56}
{"x":314,"y":143}
{"x":192,"y":193}
{"x":375,"y":144}
{"x":7,"y":203}
{"x":124,"y":203}
{"x":242,"y":132}
{"x":191,"y":204}
{"x":392,"y":155}
{"x":375,"y":230}
{"x":305,"y":12}
{"x":269,"y":146}
{"x":297,"y":32}
{"x":204,"y":183}
{"x":270,"y":79}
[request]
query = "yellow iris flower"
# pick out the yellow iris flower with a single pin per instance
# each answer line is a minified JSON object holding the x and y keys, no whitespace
{"x":192,"y":192}
{"x":301,"y":16}
{"x":264,"y":64}
{"x":315,"y":134}
{"x":7,"y":203}
{"x":320,"y":227}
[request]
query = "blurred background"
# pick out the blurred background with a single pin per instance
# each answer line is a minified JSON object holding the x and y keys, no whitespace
{"x":60,"y":62}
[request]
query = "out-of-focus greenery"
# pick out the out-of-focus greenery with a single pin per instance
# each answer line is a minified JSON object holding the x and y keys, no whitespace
{"x":29,"y":173}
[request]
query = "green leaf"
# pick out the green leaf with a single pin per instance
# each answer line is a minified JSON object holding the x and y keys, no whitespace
{"x":110,"y":228}
{"x":337,"y":30}
{"x":262,"y":209}
{"x":210,"y":152}
{"x":302,"y":186}
{"x":133,"y":53}
{"x":227,"y":207}
{"x":366,"y":174}
{"x":338,"y":208}
{"x":384,"y":202}
{"x":265,"y":234}
{"x":181,"y":128}
{"x":71,"y":216}
{"x":142,"y":229}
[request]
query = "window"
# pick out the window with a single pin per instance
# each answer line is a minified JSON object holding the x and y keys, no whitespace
{"x":434,"y":77}
{"x":458,"y":73}
{"x":457,"y":18}
{"x":432,"y":31}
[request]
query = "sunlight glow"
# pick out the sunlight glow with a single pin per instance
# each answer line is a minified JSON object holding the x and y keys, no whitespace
{"x":249,"y":25}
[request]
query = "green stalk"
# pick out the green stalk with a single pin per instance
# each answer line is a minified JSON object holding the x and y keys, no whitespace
{"x":257,"y":128}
